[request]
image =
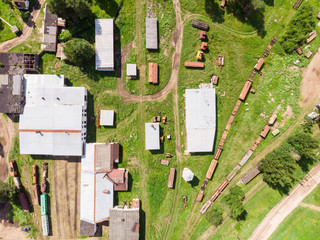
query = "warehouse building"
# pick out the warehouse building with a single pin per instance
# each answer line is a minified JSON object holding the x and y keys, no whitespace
{"x":200,"y":119}
{"x":152,"y":136}
{"x":151,"y":33}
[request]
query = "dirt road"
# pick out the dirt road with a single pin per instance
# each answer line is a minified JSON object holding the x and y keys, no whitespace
{"x":10,"y":231}
{"x":66,"y":200}
{"x":7,"y":133}
{"x":26,"y":30}
{"x":271,"y":222}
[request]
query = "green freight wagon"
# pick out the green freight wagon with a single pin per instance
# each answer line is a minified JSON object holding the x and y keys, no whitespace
{"x":44,"y":204}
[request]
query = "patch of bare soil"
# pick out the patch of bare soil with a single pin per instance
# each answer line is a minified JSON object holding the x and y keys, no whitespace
{"x":9,"y":231}
{"x":310,"y":86}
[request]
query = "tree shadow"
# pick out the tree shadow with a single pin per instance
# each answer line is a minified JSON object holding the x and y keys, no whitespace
{"x":243,"y":216}
{"x":304,"y":163}
{"x":215,"y":12}
{"x":110,"y":7}
{"x":269,"y":2}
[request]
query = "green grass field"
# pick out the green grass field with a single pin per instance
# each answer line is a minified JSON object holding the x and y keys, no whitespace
{"x":314,"y":197}
{"x":303,"y":224}
{"x":242,"y":43}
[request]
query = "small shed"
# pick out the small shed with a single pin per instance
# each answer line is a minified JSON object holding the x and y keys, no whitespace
{"x":171,"y":178}
{"x":299,"y":50}
{"x":194,"y":64}
{"x":153,"y":73}
{"x":259,"y":64}
{"x":200,"y":25}
{"x":204,"y":46}
{"x":275,"y":132}
{"x":308,"y":54}
{"x":203,"y":35}
{"x":152,"y":136}
{"x":187,"y":174}
{"x":107,"y":117}
{"x":131,"y":70}
{"x":151,"y":33}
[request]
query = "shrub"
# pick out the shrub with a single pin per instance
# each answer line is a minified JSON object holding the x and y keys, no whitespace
{"x":65,"y":36}
{"x":214,"y":216}
{"x":79,"y":51}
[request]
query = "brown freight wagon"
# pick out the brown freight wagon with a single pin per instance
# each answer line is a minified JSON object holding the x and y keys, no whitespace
{"x":254,"y":147}
{"x":36,"y":196}
{"x":272,"y":119}
{"x":259,"y":64}
{"x":24,"y":202}
{"x":211,"y":168}
{"x":245,"y":90}
{"x":223,"y":185}
{"x":236,"y":107}
{"x":171,"y":177}
{"x":259,"y":139}
{"x":223,"y":138}
{"x":200,"y":196}
{"x":194,"y":64}
{"x":200,"y":25}
{"x":245,"y":158}
{"x":204,"y":184}
{"x":233,"y":173}
{"x":153,"y":73}
{"x":218,"y":153}
{"x":265,"y":131}
{"x":34,"y":172}
{"x":231,"y":118}
{"x":215,"y":195}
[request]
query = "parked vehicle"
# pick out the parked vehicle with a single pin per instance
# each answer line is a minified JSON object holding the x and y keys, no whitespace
{"x":34,"y":171}
{"x":26,"y":229}
{"x":44,"y":186}
{"x":13,"y":168}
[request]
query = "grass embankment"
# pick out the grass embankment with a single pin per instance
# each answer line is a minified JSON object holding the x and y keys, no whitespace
{"x":12,"y":16}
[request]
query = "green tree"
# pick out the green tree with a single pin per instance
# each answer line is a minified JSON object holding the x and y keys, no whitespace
{"x":79,"y":51}
{"x":70,"y":9}
{"x":65,"y":36}
{"x":278,"y":168}
{"x":304,"y":144}
{"x":234,"y":202}
{"x":247,"y":6}
{"x":6,"y":192}
{"x":214,"y":216}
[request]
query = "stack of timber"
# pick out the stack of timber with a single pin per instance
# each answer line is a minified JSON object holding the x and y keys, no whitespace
{"x":200,"y":25}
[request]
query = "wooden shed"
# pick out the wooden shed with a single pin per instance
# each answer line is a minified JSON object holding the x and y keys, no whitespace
{"x":171,"y":178}
{"x":203,"y":36}
{"x":259,"y":64}
{"x":194,"y":64}
{"x":265,"y":131}
{"x":200,"y":25}
{"x":308,"y":54}
{"x":299,"y":50}
{"x":153,"y":73}
{"x":245,"y":91}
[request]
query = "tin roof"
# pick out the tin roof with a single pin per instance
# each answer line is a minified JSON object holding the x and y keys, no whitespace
{"x":50,"y":31}
{"x":152,"y":136}
{"x":131,"y":69}
{"x":200,"y":119}
{"x":107,"y":117}
{"x":104,"y":37}
{"x":151,"y":33}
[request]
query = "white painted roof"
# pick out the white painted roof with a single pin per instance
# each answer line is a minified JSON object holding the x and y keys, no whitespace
{"x":104,"y":44}
{"x":96,"y":197}
{"x":51,"y":123}
{"x":131,"y":69}
{"x":152,"y":131}
{"x":107,"y":117}
{"x":200,"y":119}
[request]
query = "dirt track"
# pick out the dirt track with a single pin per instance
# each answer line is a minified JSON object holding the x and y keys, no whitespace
{"x":271,"y":222}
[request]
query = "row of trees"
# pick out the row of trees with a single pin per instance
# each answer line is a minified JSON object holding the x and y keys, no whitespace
{"x":279,"y":166}
{"x":298,"y":28}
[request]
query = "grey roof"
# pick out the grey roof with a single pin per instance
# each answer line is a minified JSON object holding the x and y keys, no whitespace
{"x":107,"y":117}
{"x":124,"y":224}
{"x":131,"y":69}
{"x":152,"y":134}
{"x":50,"y":31}
{"x":104,"y":37}
{"x":151,"y":33}
{"x":87,"y":229}
{"x":17,"y":84}
{"x":200,"y":119}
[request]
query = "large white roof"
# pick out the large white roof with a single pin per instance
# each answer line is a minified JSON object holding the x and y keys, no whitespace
{"x":200,"y":119}
{"x":96,"y":197}
{"x":51,"y":123}
{"x":152,"y":131}
{"x":104,"y":44}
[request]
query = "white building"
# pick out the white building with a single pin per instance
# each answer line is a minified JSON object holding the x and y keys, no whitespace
{"x":200,"y":119}
{"x":106,"y":117}
{"x":54,"y":118}
{"x":152,"y":136}
{"x":104,"y":35}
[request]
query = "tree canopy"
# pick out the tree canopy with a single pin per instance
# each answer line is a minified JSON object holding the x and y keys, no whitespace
{"x":304,"y":144}
{"x":301,"y":24}
{"x":70,"y":9}
{"x":247,"y":6}
{"x":278,"y":168}
{"x":79,"y":51}
{"x":6,"y":192}
{"x":214,"y":216}
{"x":234,"y":202}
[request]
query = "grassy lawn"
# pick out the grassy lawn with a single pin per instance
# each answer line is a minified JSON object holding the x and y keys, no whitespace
{"x":314,"y":197}
{"x":303,"y":224}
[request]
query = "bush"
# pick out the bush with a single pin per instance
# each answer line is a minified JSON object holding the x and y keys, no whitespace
{"x":7,"y":192}
{"x":79,"y":52}
{"x":298,"y":28}
{"x":65,"y":36}
{"x":214,"y":216}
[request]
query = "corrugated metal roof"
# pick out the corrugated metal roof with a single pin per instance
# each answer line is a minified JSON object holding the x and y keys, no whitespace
{"x":200,"y":119}
{"x":131,"y":69}
{"x":17,"y":84}
{"x":52,"y":121}
{"x":104,"y":44}
{"x":152,"y":134}
{"x":107,"y":117}
{"x":151,"y":33}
